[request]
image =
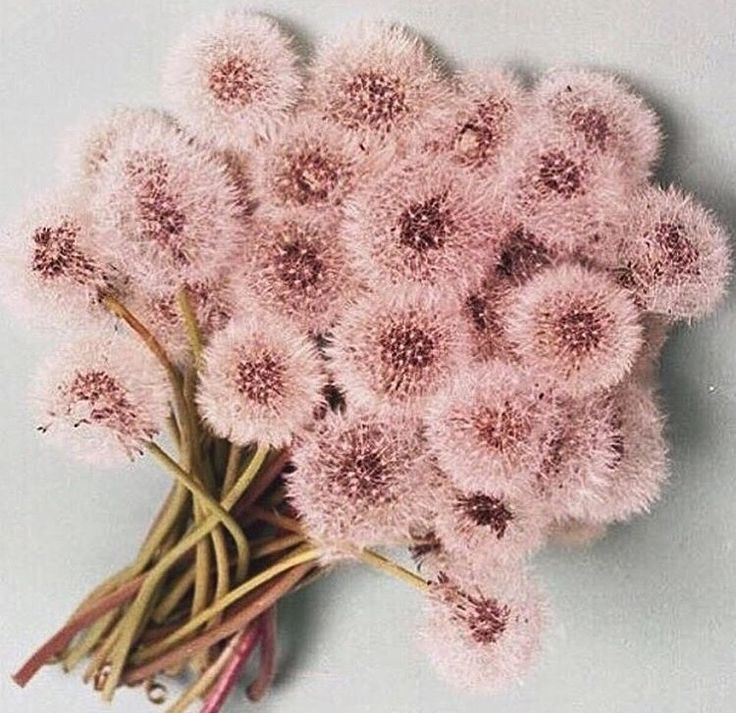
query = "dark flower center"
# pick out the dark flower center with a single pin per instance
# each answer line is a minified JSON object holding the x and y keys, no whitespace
{"x":593,"y":124}
{"x":579,"y":330}
{"x":260,"y":378}
{"x":485,"y":511}
{"x":560,"y":174}
{"x":478,"y":138}
{"x":107,"y":401}
{"x":425,"y":226}
{"x":522,"y":256}
{"x":407,"y":351}
{"x":373,"y":100}
{"x":231,"y":81}
{"x":501,"y":429}
{"x":56,"y":254}
{"x":310,"y":176}
{"x":299,"y":265}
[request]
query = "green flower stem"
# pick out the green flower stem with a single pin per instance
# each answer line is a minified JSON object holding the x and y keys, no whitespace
{"x":269,"y":545}
{"x":207,"y":500}
{"x":231,"y":470}
{"x":175,"y":594}
{"x":194,"y":335}
{"x":233,"y":622}
{"x":378,"y":561}
{"x":309,"y":554}
{"x":155,"y":575}
{"x":77,"y":652}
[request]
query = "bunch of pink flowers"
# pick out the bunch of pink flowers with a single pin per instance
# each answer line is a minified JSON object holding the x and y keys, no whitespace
{"x":442,"y":297}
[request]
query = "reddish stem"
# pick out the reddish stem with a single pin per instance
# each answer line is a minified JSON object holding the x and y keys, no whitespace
{"x":244,"y":647}
{"x":87,"y":616}
{"x":261,"y":483}
{"x":267,"y":645}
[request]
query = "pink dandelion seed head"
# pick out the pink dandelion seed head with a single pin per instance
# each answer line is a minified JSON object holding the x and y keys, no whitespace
{"x":102,"y":398}
{"x":486,"y":428}
{"x":376,"y":82}
{"x":293,"y":263}
{"x":312,"y":163}
{"x":483,"y":638}
{"x":604,"y":114}
{"x":358,"y":479}
{"x":559,"y":190}
{"x":261,"y":381}
{"x":475,"y":126}
{"x":423,"y":224}
{"x":581,"y":450}
{"x":577,"y":327}
{"x":485,"y":530}
{"x":166,"y":210}
{"x":88,"y":145}
{"x":233,"y":79}
{"x":673,"y":255}
{"x":640,"y":470}
{"x":396,"y":350}
{"x":50,"y":267}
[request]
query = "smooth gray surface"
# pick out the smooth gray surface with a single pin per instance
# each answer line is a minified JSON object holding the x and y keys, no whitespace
{"x":645,"y":622}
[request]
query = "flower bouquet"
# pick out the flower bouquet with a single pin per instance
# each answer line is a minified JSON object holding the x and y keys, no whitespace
{"x":351,"y":307}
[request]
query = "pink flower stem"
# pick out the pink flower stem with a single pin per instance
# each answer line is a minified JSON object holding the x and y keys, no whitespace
{"x":267,"y":669}
{"x":242,"y":650}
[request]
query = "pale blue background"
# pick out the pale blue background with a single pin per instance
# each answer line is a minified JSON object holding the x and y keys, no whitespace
{"x":645,"y":622}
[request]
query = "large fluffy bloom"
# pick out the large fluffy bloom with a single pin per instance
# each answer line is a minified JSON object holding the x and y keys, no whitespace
{"x":475,"y":126}
{"x":166,"y":210}
{"x":427,"y":224}
{"x":102,"y":398}
{"x":233,"y":79}
{"x":673,"y":255}
{"x":358,"y":479}
{"x":294,"y":263}
{"x":605,"y":114}
{"x":261,"y":381}
{"x":483,"y":638}
{"x":560,"y":190}
{"x":312,"y":163}
{"x":487,"y":426}
{"x":50,"y":266}
{"x":577,"y":327}
{"x":376,"y":81}
{"x":397,"y":350}
{"x":487,"y":529}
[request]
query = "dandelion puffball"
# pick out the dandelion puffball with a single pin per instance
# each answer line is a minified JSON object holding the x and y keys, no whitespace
{"x":486,"y":427}
{"x":673,"y":255}
{"x":103,"y":398}
{"x":51,"y":269}
{"x":376,"y":82}
{"x":422,"y":224}
{"x":604,"y":114}
{"x":261,"y":381}
{"x":396,"y":350}
{"x":577,"y":327}
{"x":165,"y":209}
{"x":233,"y":80}
{"x":482,"y":636}
{"x":358,"y":479}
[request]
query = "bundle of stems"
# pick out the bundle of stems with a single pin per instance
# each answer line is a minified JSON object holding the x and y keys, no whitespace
{"x":201,"y":594}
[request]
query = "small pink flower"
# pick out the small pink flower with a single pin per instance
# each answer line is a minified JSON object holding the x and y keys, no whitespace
{"x":376,"y":81}
{"x":358,"y":480}
{"x":103,"y":398}
{"x":166,"y":210}
{"x":484,"y":530}
{"x":604,"y":114}
{"x":558,"y":189}
{"x":233,"y":79}
{"x":261,"y":381}
{"x":673,"y":255}
{"x":88,"y":145}
{"x":477,"y":123}
{"x":423,"y":224}
{"x":51,"y":269}
{"x":312,"y":164}
{"x":575,"y":326}
{"x":486,"y":428}
{"x":397,"y":349}
{"x":293,"y":263}
{"x":483,"y":638}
